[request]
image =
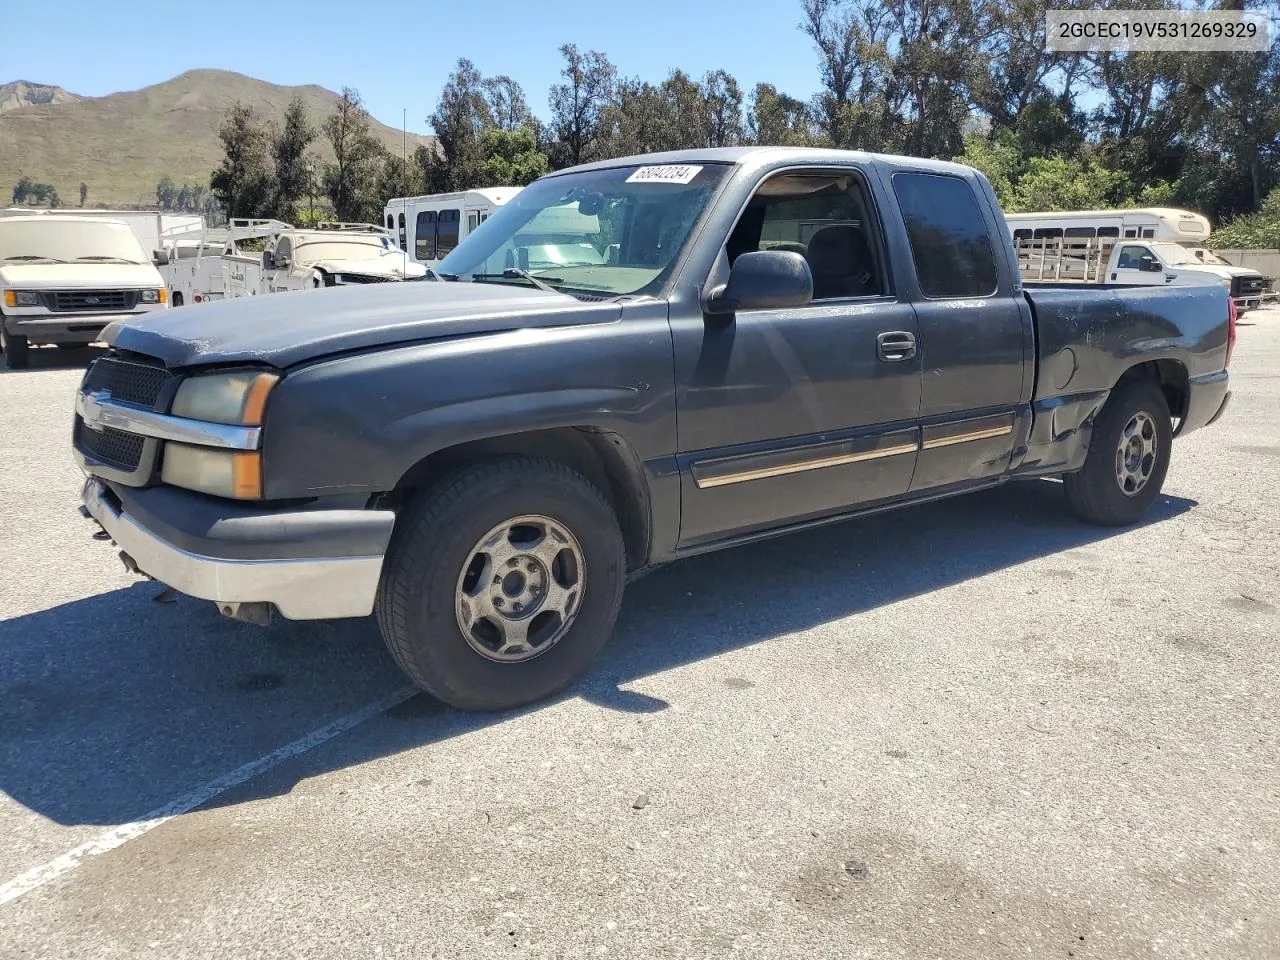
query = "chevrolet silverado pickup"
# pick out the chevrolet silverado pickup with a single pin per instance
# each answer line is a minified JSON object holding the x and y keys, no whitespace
{"x":764,"y":339}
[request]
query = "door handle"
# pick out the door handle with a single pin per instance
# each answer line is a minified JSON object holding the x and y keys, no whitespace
{"x":895,"y":345}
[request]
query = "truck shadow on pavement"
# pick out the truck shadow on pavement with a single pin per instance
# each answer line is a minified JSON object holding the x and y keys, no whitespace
{"x":114,"y":705}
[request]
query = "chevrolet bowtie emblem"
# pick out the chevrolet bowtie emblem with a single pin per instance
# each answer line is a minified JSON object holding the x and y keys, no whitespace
{"x":92,"y":404}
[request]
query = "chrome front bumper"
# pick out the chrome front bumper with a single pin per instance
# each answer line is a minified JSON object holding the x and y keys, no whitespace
{"x":318,"y":588}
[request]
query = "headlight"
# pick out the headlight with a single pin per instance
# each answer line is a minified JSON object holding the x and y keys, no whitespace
{"x":221,"y":473}
{"x":154,"y":296}
{"x":21,"y":298}
{"x":1227,"y":284}
{"x":238,"y":398}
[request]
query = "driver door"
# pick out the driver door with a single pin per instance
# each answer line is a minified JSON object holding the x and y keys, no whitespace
{"x":1128,"y":267}
{"x":795,"y":413}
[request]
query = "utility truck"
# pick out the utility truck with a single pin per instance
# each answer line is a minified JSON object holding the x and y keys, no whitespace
{"x":1151,"y":247}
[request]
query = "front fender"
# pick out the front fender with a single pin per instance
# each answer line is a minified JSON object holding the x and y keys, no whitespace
{"x":357,"y":424}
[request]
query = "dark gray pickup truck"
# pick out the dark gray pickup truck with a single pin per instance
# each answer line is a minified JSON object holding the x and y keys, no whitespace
{"x":632,"y":362}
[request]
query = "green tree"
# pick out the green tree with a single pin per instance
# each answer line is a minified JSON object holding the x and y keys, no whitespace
{"x":776,"y":119}
{"x":1059,"y":183}
{"x":242,"y":184}
{"x":183,"y":200}
{"x":580,"y":105}
{"x":166,"y":193}
{"x":1255,"y":231}
{"x":462,"y":114}
{"x":510,"y":157}
{"x":289,"y":151}
{"x":723,"y":110}
{"x":999,"y":159}
{"x":508,"y":108}
{"x":351,"y":181}
{"x":23,"y":190}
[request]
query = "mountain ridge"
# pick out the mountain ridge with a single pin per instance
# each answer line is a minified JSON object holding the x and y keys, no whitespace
{"x":121,"y":145}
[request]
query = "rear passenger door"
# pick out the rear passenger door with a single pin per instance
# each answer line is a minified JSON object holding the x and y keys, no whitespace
{"x":974,"y":332}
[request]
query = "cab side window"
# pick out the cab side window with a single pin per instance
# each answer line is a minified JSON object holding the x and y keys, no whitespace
{"x":825,"y":218}
{"x":1131,"y":258}
{"x":284,"y":250}
{"x":948,"y":235}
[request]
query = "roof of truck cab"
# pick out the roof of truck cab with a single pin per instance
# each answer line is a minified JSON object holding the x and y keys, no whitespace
{"x":62,"y":218}
{"x":753,"y":156}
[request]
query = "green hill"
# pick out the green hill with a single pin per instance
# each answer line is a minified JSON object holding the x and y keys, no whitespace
{"x":122,"y":144}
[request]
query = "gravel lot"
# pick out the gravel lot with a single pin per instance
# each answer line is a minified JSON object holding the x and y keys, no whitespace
{"x":974,"y":729}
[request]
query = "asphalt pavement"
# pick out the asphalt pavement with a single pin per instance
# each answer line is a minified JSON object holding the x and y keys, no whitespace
{"x":975,"y":729}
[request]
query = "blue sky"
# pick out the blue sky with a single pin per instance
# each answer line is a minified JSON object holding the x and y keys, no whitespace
{"x":400,"y":58}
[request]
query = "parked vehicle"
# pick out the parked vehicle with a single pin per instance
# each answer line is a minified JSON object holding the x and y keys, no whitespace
{"x":197,"y":266}
{"x":222,"y":265}
{"x":63,"y":278}
{"x":767,"y":339}
{"x":1151,"y":246}
{"x":150,"y":226}
{"x":428,"y":228}
{"x":332,"y":255}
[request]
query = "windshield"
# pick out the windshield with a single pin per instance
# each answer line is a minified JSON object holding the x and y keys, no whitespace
{"x":67,"y":241}
{"x":313,"y":251}
{"x":613,"y":232}
{"x":1171,"y":253}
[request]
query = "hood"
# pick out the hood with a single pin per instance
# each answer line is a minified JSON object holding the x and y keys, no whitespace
{"x":286,"y":329}
{"x":390,"y":266}
{"x":80,"y":276}
{"x":1207,"y":269}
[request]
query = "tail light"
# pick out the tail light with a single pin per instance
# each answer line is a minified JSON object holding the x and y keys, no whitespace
{"x":1232,"y":313}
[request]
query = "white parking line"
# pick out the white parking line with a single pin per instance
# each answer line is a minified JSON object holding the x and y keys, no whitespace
{"x":117,"y":836}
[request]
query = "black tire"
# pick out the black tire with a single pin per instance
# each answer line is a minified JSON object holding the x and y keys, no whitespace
{"x":16,"y":351}
{"x":435,"y":536}
{"x":1095,"y":492}
{"x":177,"y":300}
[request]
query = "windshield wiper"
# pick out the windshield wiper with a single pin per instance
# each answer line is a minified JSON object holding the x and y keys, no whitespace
{"x":30,"y":257}
{"x":135,"y":263}
{"x":516,"y":273}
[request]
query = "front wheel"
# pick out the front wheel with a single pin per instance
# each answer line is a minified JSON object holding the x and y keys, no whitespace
{"x":502,"y":583}
{"x":1128,"y":457}
{"x":15,"y":349}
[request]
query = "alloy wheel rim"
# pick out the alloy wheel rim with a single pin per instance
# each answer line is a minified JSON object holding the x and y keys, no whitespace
{"x":1136,"y":453}
{"x":520,"y":589}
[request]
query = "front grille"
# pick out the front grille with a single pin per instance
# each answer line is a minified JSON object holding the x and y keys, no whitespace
{"x":1249,"y":286}
{"x":90,"y":301}
{"x":128,"y":382}
{"x":356,"y":278}
{"x":114,"y":447}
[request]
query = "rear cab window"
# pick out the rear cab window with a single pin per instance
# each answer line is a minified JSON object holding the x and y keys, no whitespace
{"x":950,"y":244}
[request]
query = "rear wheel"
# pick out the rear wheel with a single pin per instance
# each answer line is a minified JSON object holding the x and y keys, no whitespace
{"x":502,"y":583}
{"x":1128,"y":458}
{"x":177,"y":299}
{"x":15,"y":349}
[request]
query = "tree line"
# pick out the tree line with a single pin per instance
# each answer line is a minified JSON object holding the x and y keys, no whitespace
{"x":971,"y":80}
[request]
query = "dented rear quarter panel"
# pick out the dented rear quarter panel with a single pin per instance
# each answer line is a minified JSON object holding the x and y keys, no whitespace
{"x":1088,"y":336}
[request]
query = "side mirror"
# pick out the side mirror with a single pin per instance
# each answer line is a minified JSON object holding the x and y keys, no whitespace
{"x":283,"y":263}
{"x":268,"y":260}
{"x":764,"y":280}
{"x":160,"y":257}
{"x":1149,"y":264}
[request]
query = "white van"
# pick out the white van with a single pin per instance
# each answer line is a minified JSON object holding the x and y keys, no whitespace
{"x":63,"y":278}
{"x":1156,"y":245}
{"x":428,"y":228}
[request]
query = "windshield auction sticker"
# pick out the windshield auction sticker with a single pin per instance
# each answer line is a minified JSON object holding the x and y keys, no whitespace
{"x":1082,"y":31}
{"x":669,"y":173}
